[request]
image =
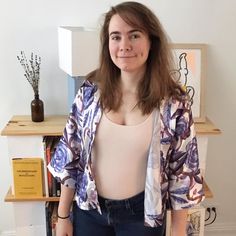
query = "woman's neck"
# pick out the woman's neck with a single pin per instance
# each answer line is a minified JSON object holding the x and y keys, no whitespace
{"x":130,"y":82}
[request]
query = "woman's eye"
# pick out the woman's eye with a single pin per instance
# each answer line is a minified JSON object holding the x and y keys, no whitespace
{"x":135,"y":36}
{"x":115,"y":38}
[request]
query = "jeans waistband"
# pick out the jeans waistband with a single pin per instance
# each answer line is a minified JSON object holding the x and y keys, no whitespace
{"x":123,"y":203}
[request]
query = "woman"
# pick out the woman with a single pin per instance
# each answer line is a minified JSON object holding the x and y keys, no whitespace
{"x":129,"y":147}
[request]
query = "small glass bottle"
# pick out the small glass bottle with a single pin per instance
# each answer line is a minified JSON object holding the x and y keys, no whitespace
{"x":37,"y":111}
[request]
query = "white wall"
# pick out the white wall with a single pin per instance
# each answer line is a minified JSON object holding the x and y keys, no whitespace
{"x":31,"y":25}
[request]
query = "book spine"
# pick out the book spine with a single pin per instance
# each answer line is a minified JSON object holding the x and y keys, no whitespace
{"x":55,"y":191}
{"x":48,"y":158}
{"x":54,"y":187}
{"x":46,"y":192}
{"x":58,"y":189}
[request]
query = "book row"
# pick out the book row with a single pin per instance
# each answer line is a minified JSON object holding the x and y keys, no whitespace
{"x":52,"y":186}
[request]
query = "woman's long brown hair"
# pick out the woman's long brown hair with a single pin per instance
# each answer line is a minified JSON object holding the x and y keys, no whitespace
{"x":157,"y":83}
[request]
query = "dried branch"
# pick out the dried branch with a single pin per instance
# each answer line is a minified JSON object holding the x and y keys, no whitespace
{"x":32,"y":70}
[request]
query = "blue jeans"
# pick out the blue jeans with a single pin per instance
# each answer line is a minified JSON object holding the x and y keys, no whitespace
{"x":119,"y":218}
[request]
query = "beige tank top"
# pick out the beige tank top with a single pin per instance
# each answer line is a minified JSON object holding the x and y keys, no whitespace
{"x":119,"y":157}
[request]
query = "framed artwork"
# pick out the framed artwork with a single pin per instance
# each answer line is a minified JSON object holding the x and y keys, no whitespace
{"x":190,"y":71}
{"x":195,"y":222}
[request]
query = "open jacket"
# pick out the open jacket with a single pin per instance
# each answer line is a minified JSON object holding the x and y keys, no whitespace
{"x":172,"y":177}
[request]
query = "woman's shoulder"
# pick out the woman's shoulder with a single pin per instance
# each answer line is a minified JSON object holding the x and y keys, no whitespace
{"x":175,"y":110}
{"x":90,"y":81}
{"x":172,"y":109}
{"x":88,"y":88}
{"x":88,"y":84}
{"x":87,"y":94}
{"x":174,"y":104}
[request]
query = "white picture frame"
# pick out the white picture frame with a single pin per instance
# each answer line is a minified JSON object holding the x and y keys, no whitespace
{"x":190,"y":71}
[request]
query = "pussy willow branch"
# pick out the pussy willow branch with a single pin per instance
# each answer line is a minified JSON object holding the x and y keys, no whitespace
{"x":32,"y":69}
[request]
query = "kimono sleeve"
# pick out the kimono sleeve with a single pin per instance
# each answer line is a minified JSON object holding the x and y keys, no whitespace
{"x":185,"y":181}
{"x":66,"y":162}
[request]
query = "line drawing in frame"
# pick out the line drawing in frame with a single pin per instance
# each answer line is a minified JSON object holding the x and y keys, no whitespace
{"x":190,"y":71}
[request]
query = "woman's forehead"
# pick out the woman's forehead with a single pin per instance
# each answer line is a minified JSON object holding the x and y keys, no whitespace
{"x":123,"y":21}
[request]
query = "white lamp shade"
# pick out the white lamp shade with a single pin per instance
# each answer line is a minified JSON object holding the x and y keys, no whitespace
{"x":78,"y":50}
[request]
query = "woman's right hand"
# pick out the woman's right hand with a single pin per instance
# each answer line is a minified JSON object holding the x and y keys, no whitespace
{"x":64,"y":227}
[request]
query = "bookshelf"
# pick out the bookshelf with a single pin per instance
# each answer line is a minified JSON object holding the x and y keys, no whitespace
{"x":25,"y":139}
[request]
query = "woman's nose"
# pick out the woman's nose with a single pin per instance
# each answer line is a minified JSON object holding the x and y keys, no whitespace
{"x":125,"y":45}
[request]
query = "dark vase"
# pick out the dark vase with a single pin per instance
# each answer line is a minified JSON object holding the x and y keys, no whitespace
{"x":37,"y":111}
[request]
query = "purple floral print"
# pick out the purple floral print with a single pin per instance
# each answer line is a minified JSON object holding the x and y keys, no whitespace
{"x":173,"y":175}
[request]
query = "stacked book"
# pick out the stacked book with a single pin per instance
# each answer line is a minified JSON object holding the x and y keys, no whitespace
{"x":27,"y":177}
{"x":52,"y":186}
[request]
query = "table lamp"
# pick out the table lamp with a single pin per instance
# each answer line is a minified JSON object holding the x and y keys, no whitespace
{"x":78,"y":49}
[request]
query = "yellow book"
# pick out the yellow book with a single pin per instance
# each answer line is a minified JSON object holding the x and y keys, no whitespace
{"x":27,"y":177}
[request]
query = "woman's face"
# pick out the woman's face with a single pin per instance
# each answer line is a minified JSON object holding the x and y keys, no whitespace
{"x":129,"y":47}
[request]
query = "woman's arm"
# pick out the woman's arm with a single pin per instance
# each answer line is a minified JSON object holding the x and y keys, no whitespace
{"x":64,"y":226}
{"x":178,"y":222}
{"x":66,"y":198}
{"x":185,"y":180}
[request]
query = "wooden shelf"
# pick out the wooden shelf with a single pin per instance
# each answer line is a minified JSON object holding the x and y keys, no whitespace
{"x":207,"y":128}
{"x":54,"y":125}
{"x":207,"y":191}
{"x":11,"y":198}
{"x":22,"y":125}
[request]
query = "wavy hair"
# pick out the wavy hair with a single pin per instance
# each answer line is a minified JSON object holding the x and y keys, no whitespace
{"x":157,"y":83}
